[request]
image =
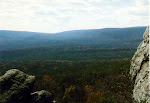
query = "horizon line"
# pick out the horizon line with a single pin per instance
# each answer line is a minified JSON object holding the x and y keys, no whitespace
{"x":71,"y":30}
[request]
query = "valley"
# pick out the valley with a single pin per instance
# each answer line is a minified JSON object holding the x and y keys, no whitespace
{"x":81,"y":66}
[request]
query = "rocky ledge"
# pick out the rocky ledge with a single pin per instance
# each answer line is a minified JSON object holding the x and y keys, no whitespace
{"x":16,"y":87}
{"x":139,"y":71}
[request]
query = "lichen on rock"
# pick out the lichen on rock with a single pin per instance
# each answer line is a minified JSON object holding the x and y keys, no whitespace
{"x":16,"y":87}
{"x":139,"y":70}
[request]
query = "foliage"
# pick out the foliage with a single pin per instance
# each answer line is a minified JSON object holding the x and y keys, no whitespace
{"x":79,"y":81}
{"x":68,"y":52}
{"x":81,"y":66}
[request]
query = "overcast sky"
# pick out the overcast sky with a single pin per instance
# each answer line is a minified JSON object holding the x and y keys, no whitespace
{"x":62,"y":15}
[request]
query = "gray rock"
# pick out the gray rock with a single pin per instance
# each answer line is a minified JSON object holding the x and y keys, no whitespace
{"x":139,"y":71}
{"x":41,"y":97}
{"x":16,"y":87}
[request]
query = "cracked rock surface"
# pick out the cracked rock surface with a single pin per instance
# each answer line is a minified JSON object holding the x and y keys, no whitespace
{"x":16,"y":87}
{"x":139,"y":71}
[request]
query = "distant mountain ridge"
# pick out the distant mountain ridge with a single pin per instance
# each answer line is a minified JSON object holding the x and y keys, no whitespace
{"x":131,"y":36}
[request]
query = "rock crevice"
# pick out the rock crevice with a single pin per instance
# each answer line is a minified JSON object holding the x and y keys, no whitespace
{"x":139,"y":70}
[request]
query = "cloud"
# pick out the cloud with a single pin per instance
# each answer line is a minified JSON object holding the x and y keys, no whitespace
{"x":62,"y":15}
{"x":141,"y":2}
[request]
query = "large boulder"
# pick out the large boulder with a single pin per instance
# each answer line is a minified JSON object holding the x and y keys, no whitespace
{"x":139,"y":71}
{"x":16,"y":87}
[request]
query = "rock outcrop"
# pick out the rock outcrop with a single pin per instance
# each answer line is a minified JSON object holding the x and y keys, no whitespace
{"x":139,"y":71}
{"x":16,"y":87}
{"x":41,"y":97}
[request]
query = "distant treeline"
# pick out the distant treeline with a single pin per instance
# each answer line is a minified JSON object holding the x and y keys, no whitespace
{"x":67,"y":52}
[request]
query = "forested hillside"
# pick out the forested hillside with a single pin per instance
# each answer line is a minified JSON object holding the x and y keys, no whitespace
{"x":96,"y":44}
{"x":116,"y":37}
{"x":81,"y":66}
{"x":67,"y":52}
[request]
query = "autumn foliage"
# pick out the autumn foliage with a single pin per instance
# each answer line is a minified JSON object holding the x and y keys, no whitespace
{"x":79,"y":81}
{"x":88,"y":88}
{"x":68,"y":93}
{"x":46,"y":78}
{"x":94,"y":97}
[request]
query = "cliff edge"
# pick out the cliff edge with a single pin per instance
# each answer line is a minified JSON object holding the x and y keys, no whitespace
{"x":139,"y":71}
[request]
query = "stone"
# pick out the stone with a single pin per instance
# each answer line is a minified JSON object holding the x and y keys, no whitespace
{"x":16,"y":87}
{"x":41,"y":97}
{"x":139,"y":71}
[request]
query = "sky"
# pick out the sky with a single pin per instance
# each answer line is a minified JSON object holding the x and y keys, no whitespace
{"x":51,"y":16}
